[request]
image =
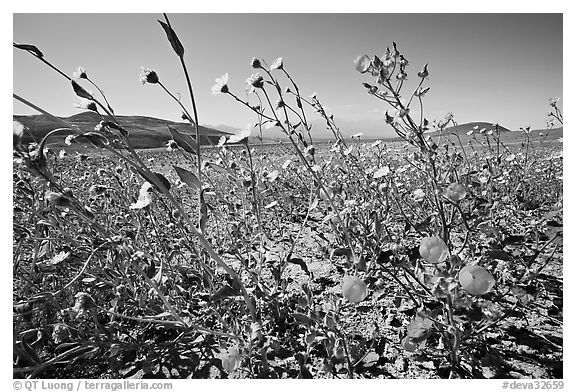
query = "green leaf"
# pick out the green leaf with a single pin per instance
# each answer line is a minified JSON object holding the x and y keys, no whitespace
{"x":173,"y":38}
{"x":155,"y":179}
{"x":187,"y":177}
{"x":301,"y":263}
{"x":225,"y":291}
{"x":301,"y":318}
{"x":203,"y":213}
{"x":79,"y":90}
{"x":186,"y":142}
{"x":30,"y":48}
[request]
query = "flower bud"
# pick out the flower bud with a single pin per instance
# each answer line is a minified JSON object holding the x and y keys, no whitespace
{"x":455,"y":192}
{"x":256,"y":63}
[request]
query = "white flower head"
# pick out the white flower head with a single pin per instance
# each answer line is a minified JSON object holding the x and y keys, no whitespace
{"x":241,"y":135}
{"x":86,"y":104}
{"x":277,"y":64}
{"x":80,"y":73}
{"x":221,"y":85}
{"x":148,"y":76}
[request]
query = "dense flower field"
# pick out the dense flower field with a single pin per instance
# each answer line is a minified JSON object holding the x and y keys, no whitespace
{"x":433,"y":255}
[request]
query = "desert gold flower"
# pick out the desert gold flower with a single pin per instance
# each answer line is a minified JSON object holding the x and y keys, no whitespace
{"x":221,"y":85}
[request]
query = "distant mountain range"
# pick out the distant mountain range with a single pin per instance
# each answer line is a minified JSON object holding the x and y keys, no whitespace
{"x":150,"y":132}
{"x":145,"y":132}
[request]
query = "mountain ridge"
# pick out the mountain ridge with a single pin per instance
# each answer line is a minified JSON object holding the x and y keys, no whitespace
{"x":144,"y":131}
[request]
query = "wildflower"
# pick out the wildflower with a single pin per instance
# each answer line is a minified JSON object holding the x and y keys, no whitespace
{"x":419,"y":195}
{"x":148,"y":76}
{"x":70,"y":139}
{"x":476,"y":280}
{"x":279,"y":104}
{"x":231,"y":360}
{"x":221,"y":85}
{"x":277,"y":64}
{"x":470,"y":132}
{"x":144,"y":198}
{"x":256,"y":80}
{"x":80,"y":73}
{"x":240,"y":136}
{"x":362,"y":63}
{"x":62,"y":154}
{"x":60,"y":333}
{"x":86,"y":104}
{"x":17,"y":132}
{"x":383,"y":171}
{"x":256,"y":63}
{"x":84,"y":302}
{"x":455,"y":192}
{"x":433,"y":249}
{"x":354,"y":289}
{"x":358,"y":135}
{"x":171,"y":145}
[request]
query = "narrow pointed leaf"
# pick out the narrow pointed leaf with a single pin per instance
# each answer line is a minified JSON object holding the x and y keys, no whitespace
{"x":301,"y":263}
{"x":186,"y":142}
{"x":187,"y":177}
{"x":173,"y":38}
{"x":30,"y":48}
{"x":155,"y":179}
{"x":79,"y":90}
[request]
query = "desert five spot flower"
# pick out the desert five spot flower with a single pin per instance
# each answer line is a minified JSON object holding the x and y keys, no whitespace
{"x":476,"y":280}
{"x":362,"y":63}
{"x":354,"y":289}
{"x":433,"y":249}
{"x":455,"y":192}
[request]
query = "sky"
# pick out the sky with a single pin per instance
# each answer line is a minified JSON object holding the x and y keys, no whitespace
{"x":483,"y":67}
